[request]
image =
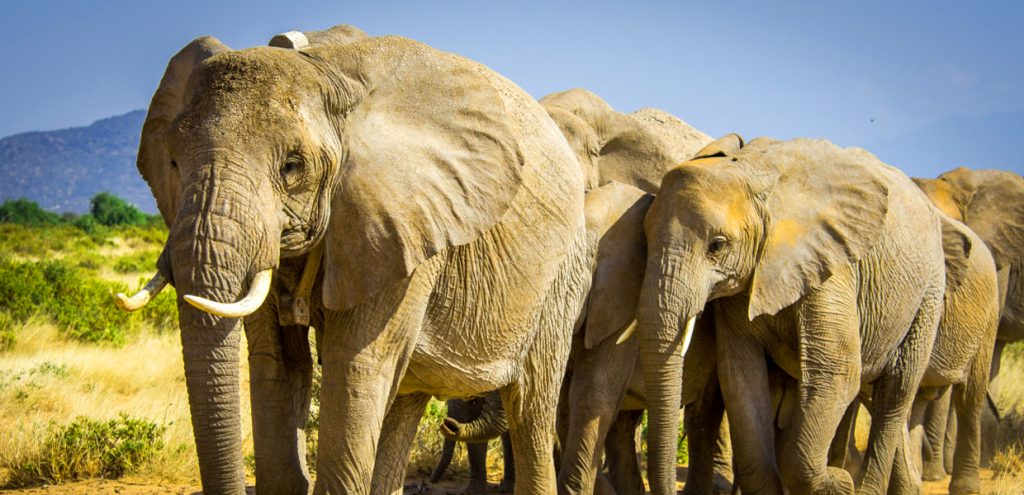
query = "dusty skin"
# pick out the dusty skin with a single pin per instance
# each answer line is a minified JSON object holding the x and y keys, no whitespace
{"x":412,"y":486}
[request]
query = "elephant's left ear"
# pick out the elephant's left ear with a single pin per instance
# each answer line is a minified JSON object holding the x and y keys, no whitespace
{"x":826,"y":211}
{"x":433,"y":161}
{"x":615,"y":216}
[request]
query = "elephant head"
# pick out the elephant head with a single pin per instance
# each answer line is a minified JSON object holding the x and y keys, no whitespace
{"x":990,"y":202}
{"x":633,"y":149}
{"x":265,"y":153}
{"x":768,"y":221}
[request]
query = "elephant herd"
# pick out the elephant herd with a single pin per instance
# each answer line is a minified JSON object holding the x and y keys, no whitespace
{"x":447,"y":235}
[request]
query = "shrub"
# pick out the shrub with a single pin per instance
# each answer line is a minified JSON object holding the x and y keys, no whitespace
{"x":24,"y":212}
{"x":7,"y":337}
{"x":87,"y":448}
{"x":141,"y":261}
{"x":111,"y":210}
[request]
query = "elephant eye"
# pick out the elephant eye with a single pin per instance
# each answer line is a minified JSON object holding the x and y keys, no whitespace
{"x":174,"y":164}
{"x":717,"y":244}
{"x":291,"y":171}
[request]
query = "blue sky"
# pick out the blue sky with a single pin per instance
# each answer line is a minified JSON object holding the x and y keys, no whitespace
{"x":927,"y":86}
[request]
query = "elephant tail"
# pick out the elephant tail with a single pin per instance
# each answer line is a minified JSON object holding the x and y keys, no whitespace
{"x":491,"y":423}
{"x":446,"y":459}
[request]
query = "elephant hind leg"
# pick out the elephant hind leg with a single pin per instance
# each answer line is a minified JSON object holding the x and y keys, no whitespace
{"x":396,"y":438}
{"x":935,"y":424}
{"x":620,"y":449}
{"x":970,"y":402}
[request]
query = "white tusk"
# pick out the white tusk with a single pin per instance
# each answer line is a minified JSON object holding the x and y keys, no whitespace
{"x":258,"y":290}
{"x":143,"y":296}
{"x":688,"y":335}
{"x":627,"y":333}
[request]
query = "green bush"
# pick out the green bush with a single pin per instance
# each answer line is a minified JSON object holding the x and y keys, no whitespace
{"x":7,"y":337}
{"x":81,"y":305}
{"x":87,"y":448}
{"x":140,"y":261}
{"x":24,"y":212}
{"x":111,"y":210}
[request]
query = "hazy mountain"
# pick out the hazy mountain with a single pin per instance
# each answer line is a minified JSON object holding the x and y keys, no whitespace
{"x":61,"y":170}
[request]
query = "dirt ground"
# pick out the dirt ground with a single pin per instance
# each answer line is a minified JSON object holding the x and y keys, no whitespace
{"x":413,"y":487}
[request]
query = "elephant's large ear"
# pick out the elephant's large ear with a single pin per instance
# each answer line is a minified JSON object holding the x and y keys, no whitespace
{"x":615,"y":216}
{"x":826,"y":211}
{"x":723,"y":146}
{"x":154,"y":160}
{"x":956,"y":246}
{"x":994,"y":211}
{"x":949,"y":198}
{"x":433,"y":161}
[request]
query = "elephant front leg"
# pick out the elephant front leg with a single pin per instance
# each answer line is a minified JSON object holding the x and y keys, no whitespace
{"x":709,"y":447}
{"x":620,"y":448}
{"x":280,"y":370}
{"x":743,"y":374}
{"x":397,"y":435}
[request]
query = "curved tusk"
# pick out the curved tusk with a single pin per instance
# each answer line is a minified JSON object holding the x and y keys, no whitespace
{"x":627,"y":333}
{"x":687,"y":335}
{"x":258,"y":290}
{"x":143,"y":296}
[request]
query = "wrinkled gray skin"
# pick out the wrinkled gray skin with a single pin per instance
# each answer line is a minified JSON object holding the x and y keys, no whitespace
{"x":809,"y":303}
{"x":463,"y":411}
{"x":450,"y":185}
{"x":959,"y":364}
{"x":991,"y":203}
{"x":627,"y":154}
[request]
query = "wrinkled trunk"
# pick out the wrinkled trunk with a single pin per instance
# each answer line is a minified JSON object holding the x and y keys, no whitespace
{"x":491,"y":423}
{"x":666,"y":301}
{"x":212,"y":257}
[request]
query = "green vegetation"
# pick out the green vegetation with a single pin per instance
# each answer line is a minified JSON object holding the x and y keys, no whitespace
{"x":87,"y":448}
{"x":111,"y":210}
{"x":24,"y":212}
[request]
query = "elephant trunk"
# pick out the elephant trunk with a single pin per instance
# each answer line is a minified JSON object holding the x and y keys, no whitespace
{"x":491,"y":423}
{"x":665,"y":303}
{"x":212,"y":257}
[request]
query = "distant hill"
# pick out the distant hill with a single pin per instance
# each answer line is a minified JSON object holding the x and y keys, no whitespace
{"x":62,"y":169}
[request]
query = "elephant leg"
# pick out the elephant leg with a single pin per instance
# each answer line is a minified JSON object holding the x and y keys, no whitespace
{"x":280,"y":371}
{"x":708,"y":445}
{"x":508,"y":477}
{"x":990,"y":416}
{"x":970,"y":402}
{"x":620,"y":450}
{"x":839,"y":451}
{"x":397,"y":435}
{"x":366,"y":351}
{"x":906,"y":466}
{"x":935,"y":423}
{"x":892,"y":397}
{"x":477,"y":453}
{"x":743,"y":374}
{"x":599,"y":380}
{"x":447,"y":451}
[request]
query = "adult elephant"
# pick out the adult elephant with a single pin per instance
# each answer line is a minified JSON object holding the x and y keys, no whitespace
{"x":824,"y":270}
{"x":450,"y":211}
{"x":626,"y":154}
{"x":991,"y":203}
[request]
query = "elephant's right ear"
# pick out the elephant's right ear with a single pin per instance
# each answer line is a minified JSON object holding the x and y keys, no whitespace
{"x":171,"y":97}
{"x":615,"y":217}
{"x":433,"y":161}
{"x":723,"y":146}
{"x":956,"y":246}
{"x":994,"y":210}
{"x":826,"y":210}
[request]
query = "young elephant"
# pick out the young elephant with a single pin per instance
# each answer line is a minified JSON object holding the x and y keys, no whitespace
{"x":449,"y":178}
{"x":825,"y":271}
{"x":463,"y":411}
{"x":991,"y":203}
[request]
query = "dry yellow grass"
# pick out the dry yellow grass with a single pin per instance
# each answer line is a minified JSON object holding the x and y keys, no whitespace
{"x":48,"y":379}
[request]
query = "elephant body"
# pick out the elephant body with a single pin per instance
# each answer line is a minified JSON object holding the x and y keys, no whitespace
{"x":450,"y":214}
{"x":990,"y":203}
{"x":824,"y":271}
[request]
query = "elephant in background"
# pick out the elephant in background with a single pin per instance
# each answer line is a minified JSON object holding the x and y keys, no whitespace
{"x":465,"y":411}
{"x":991,"y":203}
{"x":453,"y":181}
{"x":809,"y":304}
{"x":602,"y":394}
{"x":958,"y":366}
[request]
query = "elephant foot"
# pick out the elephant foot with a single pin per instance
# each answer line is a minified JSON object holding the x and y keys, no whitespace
{"x":478,"y":487}
{"x":837,"y":482}
{"x":933,"y":470}
{"x":508,"y":485}
{"x":964,"y":485}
